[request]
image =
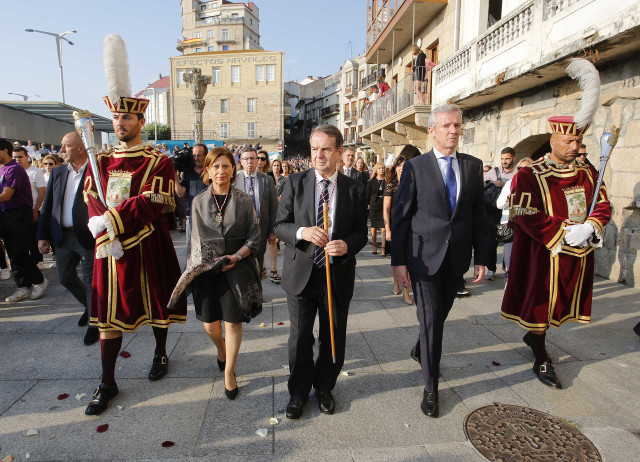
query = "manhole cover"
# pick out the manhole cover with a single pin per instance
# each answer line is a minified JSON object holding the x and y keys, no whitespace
{"x":503,"y":432}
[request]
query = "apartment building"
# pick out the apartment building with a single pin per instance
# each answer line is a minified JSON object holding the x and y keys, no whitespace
{"x":244,"y":103}
{"x":219,"y":25}
{"x":503,"y":63}
{"x":352,"y":101}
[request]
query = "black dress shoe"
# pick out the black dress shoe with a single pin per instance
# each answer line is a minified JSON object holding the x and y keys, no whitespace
{"x":91,"y":336}
{"x":101,"y":398}
{"x":527,"y":339}
{"x":546,"y":374}
{"x":429,"y":404}
{"x":294,"y":408}
{"x":326,"y":403}
{"x":159,"y":367}
{"x":636,"y":329}
{"x":83,"y":319}
{"x":221,"y":365}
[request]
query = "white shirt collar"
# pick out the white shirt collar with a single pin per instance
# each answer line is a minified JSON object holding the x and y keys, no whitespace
{"x":439,"y":155}
{"x":80,"y":170}
{"x":333,"y":178}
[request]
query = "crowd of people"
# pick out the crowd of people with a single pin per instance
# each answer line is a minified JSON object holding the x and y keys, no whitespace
{"x":434,"y":212}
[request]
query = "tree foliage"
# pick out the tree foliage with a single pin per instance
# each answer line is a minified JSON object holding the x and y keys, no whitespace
{"x":164,"y":131}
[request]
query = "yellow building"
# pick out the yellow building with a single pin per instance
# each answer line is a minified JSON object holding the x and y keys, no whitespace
{"x":244,"y":103}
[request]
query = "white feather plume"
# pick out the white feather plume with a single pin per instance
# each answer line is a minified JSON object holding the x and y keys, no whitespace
{"x":116,"y":67}
{"x":588,"y":79}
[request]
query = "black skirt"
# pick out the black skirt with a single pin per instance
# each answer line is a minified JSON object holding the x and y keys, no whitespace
{"x":214,"y":300}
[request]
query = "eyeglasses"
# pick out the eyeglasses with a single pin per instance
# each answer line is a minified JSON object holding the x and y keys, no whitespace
{"x":262,"y":159}
{"x":48,"y":163}
{"x":582,"y":154}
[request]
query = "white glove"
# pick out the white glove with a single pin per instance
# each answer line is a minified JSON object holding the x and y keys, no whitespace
{"x":578,"y":235}
{"x":116,"y":249}
{"x":96,"y":225}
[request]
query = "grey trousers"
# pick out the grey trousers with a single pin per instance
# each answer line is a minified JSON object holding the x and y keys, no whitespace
{"x":69,"y":253}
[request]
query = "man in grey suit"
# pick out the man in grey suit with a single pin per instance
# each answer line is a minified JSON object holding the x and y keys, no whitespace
{"x":348,"y":161}
{"x":262,"y":190}
{"x":439,"y":217}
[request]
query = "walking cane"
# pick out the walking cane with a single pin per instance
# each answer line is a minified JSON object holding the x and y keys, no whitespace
{"x":325,"y":216}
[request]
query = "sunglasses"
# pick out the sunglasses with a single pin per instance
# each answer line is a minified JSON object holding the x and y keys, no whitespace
{"x":262,"y":159}
{"x":582,"y":154}
{"x":48,"y":163}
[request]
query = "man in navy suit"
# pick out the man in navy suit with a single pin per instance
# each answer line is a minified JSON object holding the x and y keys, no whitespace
{"x":299,"y":224}
{"x":439,"y":217}
{"x":63,"y":223}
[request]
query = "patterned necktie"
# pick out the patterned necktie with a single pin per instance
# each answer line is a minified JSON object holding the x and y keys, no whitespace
{"x":252,"y":193}
{"x":451,"y":183}
{"x":318,"y":256}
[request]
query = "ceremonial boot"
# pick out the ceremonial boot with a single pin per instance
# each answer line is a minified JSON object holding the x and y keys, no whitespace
{"x":546,"y":374}
{"x":159,"y":367}
{"x":527,"y":340}
{"x":101,"y":398}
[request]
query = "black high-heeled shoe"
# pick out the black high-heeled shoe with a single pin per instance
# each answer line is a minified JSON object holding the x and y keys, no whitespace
{"x":221,"y":365}
{"x":231,"y":394}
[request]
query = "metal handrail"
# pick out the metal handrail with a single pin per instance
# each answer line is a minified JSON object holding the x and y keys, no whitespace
{"x":396,"y":99}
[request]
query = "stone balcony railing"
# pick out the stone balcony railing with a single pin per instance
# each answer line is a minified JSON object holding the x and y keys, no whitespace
{"x":536,"y":34}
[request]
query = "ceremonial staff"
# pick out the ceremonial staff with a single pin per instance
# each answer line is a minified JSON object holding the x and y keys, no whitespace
{"x":85,"y":128}
{"x":607,"y":143}
{"x":325,"y":216}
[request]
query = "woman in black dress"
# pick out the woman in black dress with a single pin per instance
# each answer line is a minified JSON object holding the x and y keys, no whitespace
{"x":362,"y":171}
{"x":375,"y":192}
{"x":222,"y":270}
{"x":390,"y":192}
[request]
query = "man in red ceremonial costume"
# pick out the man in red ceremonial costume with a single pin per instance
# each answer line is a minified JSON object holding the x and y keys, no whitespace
{"x":135,"y":266}
{"x":551,"y":273}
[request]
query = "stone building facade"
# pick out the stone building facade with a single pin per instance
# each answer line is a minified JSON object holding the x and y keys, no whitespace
{"x":244,"y":103}
{"x":503,"y":62}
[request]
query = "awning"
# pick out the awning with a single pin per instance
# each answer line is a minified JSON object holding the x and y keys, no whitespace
{"x":57,"y":111}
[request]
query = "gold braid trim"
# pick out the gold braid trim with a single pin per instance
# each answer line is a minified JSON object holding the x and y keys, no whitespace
{"x":160,"y":198}
{"x":109,"y":222}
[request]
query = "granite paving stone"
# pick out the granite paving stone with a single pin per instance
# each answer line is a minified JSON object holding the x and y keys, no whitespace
{"x":378,"y":415}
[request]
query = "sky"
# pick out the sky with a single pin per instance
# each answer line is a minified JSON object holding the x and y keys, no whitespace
{"x":316,"y":36}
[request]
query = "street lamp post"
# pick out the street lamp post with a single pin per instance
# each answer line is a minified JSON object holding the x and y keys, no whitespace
{"x":24,"y":97}
{"x":59,"y":49}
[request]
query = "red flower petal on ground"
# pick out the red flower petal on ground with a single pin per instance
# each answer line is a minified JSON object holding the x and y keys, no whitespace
{"x":102,"y":428}
{"x":63,"y":396}
{"x":168,"y":444}
{"x":495,"y":363}
{"x":124,"y":354}
{"x":281,"y":323}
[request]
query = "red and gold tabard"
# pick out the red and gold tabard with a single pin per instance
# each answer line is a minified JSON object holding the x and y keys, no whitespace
{"x":135,"y":289}
{"x":550,"y":282}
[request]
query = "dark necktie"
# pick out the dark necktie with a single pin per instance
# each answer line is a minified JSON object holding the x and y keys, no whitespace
{"x":318,"y":256}
{"x":451,"y":183}
{"x":253,"y":194}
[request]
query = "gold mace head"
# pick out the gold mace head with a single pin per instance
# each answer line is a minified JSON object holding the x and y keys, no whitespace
{"x":613,"y":139}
